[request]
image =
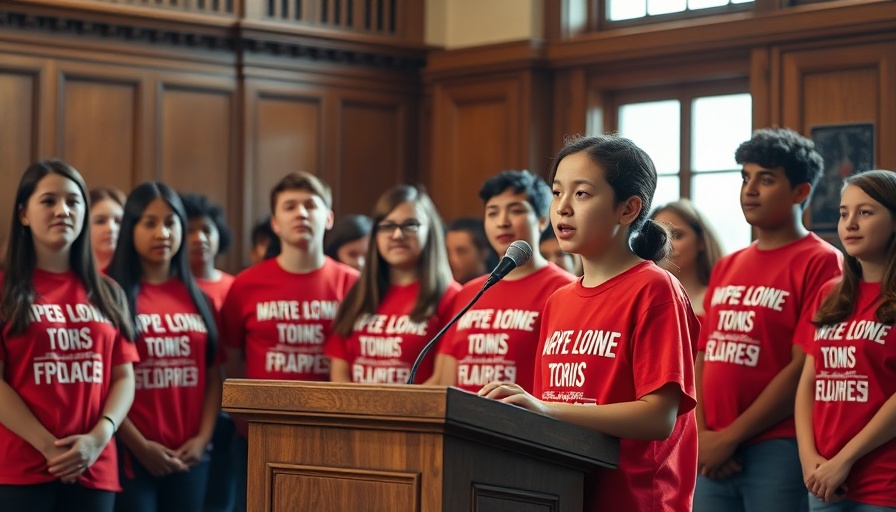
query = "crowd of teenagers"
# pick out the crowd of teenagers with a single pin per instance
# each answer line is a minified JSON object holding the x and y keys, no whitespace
{"x":762,"y":380}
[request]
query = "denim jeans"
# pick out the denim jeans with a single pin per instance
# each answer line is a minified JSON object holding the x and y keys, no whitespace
{"x":771,"y":481}
{"x":54,"y":497}
{"x":816,"y":505}
{"x":177,"y":492}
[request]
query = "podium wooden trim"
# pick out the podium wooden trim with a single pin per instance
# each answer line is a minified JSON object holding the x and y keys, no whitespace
{"x":330,"y":446}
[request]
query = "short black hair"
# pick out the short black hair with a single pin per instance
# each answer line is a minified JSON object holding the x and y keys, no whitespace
{"x":538,"y":193}
{"x":347,"y":229}
{"x":476,"y":229}
{"x":783,"y":147}
{"x":263,"y":229}
{"x":197,"y":205}
{"x":473,"y":226}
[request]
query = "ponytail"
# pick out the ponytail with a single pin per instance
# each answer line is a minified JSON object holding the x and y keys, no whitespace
{"x":651,"y":242}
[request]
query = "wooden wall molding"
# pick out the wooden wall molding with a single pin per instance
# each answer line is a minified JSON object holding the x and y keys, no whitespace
{"x":862,"y":74}
{"x":366,"y":111}
{"x":486,"y":60}
{"x":745,"y":30}
{"x":211,"y":38}
{"x":121,"y":29}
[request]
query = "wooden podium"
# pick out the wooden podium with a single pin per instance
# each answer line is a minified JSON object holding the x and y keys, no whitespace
{"x":318,"y":446}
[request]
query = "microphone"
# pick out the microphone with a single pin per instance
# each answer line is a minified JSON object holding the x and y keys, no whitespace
{"x":516,"y":255}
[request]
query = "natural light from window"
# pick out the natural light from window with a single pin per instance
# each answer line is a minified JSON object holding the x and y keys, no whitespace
{"x":718,"y":125}
{"x":655,"y":126}
{"x":618,"y":10}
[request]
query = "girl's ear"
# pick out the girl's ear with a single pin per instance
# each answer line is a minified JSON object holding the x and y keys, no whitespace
{"x":22,"y":218}
{"x":631,"y":208}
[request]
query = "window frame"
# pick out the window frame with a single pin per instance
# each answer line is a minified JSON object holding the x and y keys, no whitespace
{"x":685,"y":93}
{"x":598,"y":9}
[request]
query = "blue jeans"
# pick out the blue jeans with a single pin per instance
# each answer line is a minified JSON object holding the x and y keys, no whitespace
{"x":54,"y":496}
{"x":816,"y":505}
{"x":219,"y":494}
{"x":241,"y":471}
{"x":771,"y":481}
{"x":177,"y":492}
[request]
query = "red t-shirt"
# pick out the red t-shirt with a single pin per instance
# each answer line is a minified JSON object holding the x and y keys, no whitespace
{"x":281,"y":319}
{"x":383,"y":346}
{"x":753,"y":305}
{"x":855,"y":374}
{"x":615,"y":343}
{"x":61,"y":368}
{"x":497,"y":338}
{"x":216,"y":290}
{"x":170,"y":378}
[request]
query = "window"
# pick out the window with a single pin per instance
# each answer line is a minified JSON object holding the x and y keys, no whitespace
{"x":620,"y":10}
{"x":691,"y":138}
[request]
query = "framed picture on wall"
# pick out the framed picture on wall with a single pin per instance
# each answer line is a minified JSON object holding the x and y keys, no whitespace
{"x":847,"y":149}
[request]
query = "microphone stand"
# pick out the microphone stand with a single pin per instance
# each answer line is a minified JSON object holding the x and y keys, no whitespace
{"x":433,"y":341}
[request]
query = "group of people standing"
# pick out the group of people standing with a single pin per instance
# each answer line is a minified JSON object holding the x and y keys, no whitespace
{"x":761,"y":380}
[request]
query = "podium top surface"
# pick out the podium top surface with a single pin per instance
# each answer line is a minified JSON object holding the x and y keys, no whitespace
{"x":418,"y":408}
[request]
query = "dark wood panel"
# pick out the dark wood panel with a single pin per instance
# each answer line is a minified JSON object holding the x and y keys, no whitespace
{"x":18,"y":126}
{"x":376,"y":451}
{"x":760,"y":87}
{"x":844,"y":96}
{"x":287,"y":137}
{"x":571,"y":106}
{"x":196,"y":149}
{"x":99,"y":129}
{"x":483,"y":134}
{"x":477,"y":132}
{"x":196,"y":127}
{"x":737,"y":30}
{"x":372,"y":141}
{"x":454,"y":445}
{"x":844,"y":84}
{"x":321,"y":488}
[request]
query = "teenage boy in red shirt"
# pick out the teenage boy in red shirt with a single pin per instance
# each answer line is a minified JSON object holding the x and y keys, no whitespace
{"x":497,"y":339}
{"x":748,"y":364}
{"x":277,"y":313}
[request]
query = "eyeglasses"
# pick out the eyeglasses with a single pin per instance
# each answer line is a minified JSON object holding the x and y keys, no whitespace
{"x":407,"y":229}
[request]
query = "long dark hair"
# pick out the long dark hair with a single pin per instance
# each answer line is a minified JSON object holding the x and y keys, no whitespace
{"x":433,"y":270}
{"x":125,"y":266}
{"x":840,"y":303}
{"x":630,"y":172}
{"x":18,"y":289}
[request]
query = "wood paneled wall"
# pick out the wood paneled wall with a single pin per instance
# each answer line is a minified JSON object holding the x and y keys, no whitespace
{"x":226,"y":119}
{"x":493,"y":115}
{"x":361,"y":141}
{"x":121,"y":125}
{"x":850,"y":82}
{"x":826,"y":63}
{"x":227,"y":107}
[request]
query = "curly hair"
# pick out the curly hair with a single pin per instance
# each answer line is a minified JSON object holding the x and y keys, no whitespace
{"x":197,"y":205}
{"x":538,"y":193}
{"x":782,"y":147}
